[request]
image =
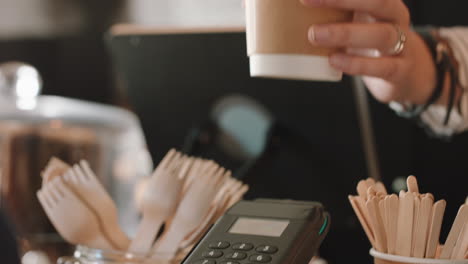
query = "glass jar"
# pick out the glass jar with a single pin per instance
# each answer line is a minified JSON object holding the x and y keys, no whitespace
{"x":85,"y":255}
{"x":34,"y":128}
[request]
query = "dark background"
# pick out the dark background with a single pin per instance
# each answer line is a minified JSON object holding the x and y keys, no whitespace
{"x":321,"y":115}
{"x":315,"y":152}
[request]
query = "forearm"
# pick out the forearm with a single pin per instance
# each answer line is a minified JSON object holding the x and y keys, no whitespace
{"x":433,"y":117}
{"x":458,"y":40}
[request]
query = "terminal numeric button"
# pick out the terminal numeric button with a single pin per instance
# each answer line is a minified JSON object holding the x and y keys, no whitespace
{"x":267,"y":249}
{"x":219,"y":245}
{"x":229,"y":262}
{"x":260,"y":258}
{"x":237,"y":256}
{"x":212,"y":254}
{"x":242,"y":246}
{"x":205,"y":261}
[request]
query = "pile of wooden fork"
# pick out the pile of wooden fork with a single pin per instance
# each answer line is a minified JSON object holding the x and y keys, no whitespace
{"x":408,"y":224}
{"x":185,"y":194}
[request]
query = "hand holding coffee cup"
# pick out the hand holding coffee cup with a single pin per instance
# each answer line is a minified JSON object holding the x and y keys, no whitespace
{"x":401,"y":68}
{"x":396,"y":64}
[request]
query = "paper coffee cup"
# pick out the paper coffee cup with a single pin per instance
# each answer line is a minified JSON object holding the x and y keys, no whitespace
{"x":277,"y":42}
{"x":382,"y":258}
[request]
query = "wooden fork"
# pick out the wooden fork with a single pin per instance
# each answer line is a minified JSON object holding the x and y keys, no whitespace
{"x":84,"y":183}
{"x":159,"y":201}
{"x":75,"y":222}
{"x":221,"y":197}
{"x":55,"y":168}
{"x":190,"y":212}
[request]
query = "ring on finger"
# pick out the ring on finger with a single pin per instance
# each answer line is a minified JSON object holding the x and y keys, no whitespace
{"x":400,"y":45}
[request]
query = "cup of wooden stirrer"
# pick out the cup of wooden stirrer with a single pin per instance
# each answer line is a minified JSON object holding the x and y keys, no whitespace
{"x":382,"y":258}
{"x":405,"y":228}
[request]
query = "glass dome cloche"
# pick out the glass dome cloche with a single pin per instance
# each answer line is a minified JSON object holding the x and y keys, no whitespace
{"x":34,"y":128}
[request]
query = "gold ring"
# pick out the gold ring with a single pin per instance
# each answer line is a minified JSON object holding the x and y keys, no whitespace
{"x":400,"y":45}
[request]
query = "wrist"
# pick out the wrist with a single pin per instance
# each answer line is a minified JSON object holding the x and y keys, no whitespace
{"x":424,"y":72}
{"x":434,"y":77}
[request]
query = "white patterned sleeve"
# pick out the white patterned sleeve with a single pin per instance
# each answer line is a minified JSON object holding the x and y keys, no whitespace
{"x":434,"y":116}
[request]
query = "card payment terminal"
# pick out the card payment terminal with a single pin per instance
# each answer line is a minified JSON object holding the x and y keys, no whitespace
{"x":264,"y":231}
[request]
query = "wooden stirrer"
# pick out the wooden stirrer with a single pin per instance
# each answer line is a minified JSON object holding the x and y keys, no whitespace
{"x":462,"y":244}
{"x":391,"y":208}
{"x":405,"y":224}
{"x":435,"y":227}
{"x":455,"y":231}
{"x":422,"y":227}
{"x":377,"y":224}
{"x":362,"y":219}
{"x":412,"y":184}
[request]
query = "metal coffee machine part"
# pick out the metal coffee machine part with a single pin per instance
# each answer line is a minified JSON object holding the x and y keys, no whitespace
{"x":34,"y":128}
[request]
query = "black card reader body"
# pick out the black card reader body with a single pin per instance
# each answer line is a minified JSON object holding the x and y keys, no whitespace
{"x":264,"y":231}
